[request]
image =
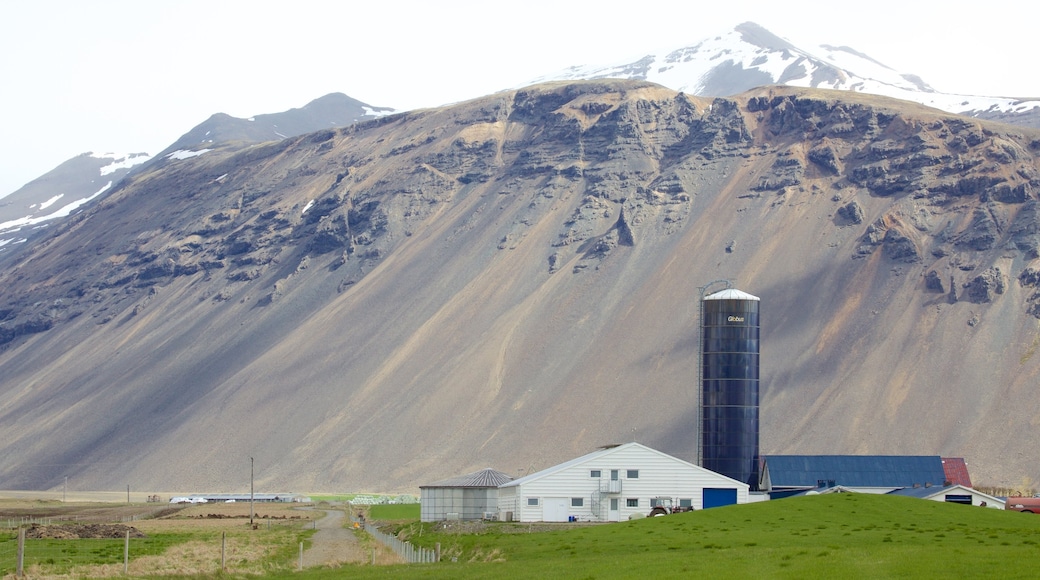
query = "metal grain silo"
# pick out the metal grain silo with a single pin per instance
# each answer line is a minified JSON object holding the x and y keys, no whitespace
{"x":729,"y":384}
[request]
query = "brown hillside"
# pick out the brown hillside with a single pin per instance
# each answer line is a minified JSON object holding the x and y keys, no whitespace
{"x":513,"y":281}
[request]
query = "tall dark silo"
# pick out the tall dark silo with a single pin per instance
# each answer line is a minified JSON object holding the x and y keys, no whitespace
{"x":729,"y":385}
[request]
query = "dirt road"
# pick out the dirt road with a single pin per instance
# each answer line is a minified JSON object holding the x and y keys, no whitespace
{"x":332,"y":544}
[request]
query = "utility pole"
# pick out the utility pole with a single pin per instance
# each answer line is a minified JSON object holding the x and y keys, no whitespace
{"x":250,"y":492}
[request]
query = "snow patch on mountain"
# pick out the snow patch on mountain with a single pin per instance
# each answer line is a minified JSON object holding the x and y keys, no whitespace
{"x":12,"y":226}
{"x":750,"y":56}
{"x":380,"y":112}
{"x":63,"y":211}
{"x":48,"y":203}
{"x":182,"y":154}
{"x":120,"y":161}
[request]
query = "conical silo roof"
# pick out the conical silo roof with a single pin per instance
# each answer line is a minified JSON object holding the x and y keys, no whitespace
{"x":483,"y":478}
{"x":730,"y":294}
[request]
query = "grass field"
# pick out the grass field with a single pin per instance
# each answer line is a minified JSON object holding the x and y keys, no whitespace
{"x":849,"y":536}
{"x":839,"y":535}
{"x":401,"y":511}
{"x":183,"y":544}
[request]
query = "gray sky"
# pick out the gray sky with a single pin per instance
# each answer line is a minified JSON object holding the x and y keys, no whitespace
{"x":133,"y":76}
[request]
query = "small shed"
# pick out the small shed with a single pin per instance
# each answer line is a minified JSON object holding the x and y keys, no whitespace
{"x":473,"y":496}
{"x":952,"y":494}
{"x":615,"y":483}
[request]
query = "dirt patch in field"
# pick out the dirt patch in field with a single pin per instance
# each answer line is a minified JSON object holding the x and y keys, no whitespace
{"x":36,"y":509}
{"x":261,"y":511}
{"x":81,"y":531}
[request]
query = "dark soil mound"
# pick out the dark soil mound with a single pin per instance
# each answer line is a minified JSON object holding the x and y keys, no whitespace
{"x":79,"y":531}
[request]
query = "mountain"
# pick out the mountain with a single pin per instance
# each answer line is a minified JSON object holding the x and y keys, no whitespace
{"x":750,"y":56}
{"x":61,"y":191}
{"x":514,"y":280}
{"x":332,"y":110}
{"x":84,"y":177}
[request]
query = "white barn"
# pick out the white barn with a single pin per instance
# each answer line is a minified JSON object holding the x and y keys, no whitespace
{"x":953,"y":494}
{"x":614,"y":484}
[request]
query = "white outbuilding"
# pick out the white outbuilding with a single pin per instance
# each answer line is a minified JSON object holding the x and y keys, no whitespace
{"x":613,"y":484}
{"x":953,"y":494}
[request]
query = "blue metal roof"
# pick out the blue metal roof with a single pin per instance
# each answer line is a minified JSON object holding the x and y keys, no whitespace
{"x":854,"y":470}
{"x":922,"y":492}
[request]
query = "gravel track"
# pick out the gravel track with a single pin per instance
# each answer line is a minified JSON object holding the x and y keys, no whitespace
{"x":333,"y":544}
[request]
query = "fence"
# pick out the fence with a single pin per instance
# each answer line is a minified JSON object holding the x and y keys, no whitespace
{"x":110,"y":557}
{"x":14,"y":524}
{"x":16,"y":553}
{"x":64,"y":554}
{"x":409,"y":553}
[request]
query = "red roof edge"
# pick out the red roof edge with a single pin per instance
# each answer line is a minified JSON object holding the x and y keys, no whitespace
{"x":956,"y":471}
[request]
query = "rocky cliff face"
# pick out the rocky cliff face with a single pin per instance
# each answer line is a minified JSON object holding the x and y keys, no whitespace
{"x":513,"y":280}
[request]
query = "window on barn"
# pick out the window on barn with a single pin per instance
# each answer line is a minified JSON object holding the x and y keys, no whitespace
{"x":633,"y":474}
{"x":595,"y":474}
{"x":577,"y":501}
{"x":532,"y":501}
{"x":632,"y":502}
{"x":685,"y":502}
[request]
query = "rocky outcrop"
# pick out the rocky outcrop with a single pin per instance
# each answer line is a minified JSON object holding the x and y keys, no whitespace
{"x":786,"y":172}
{"x":899,"y":247}
{"x":851,"y":213}
{"x":10,"y":332}
{"x":985,"y":287}
{"x":933,"y":282}
{"x":982,"y":234}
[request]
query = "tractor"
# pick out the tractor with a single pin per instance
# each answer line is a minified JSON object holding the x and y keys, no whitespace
{"x":662,"y":506}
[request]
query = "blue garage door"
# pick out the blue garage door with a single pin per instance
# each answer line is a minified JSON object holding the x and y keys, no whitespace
{"x":714,"y":497}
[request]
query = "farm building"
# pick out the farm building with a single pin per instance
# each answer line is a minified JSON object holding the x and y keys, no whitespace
{"x":240,"y":497}
{"x":468,"y":497}
{"x":953,"y":494}
{"x":784,"y":475}
{"x":613,"y":484}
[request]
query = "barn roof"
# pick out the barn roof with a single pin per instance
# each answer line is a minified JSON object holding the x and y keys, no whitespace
{"x":484,"y":478}
{"x":923,"y":492}
{"x":930,"y":492}
{"x":794,"y":471}
{"x":956,"y":471}
{"x":606,"y":452}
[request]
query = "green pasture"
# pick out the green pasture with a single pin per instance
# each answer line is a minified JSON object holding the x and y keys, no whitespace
{"x":60,"y":556}
{"x":846,"y":536}
{"x":399,"y":511}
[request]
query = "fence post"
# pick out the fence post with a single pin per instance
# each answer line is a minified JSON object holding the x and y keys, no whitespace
{"x":301,"y":555}
{"x":21,"y":552}
{"x":223,"y":550}
{"x":126,"y":554}
{"x":437,"y":556}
